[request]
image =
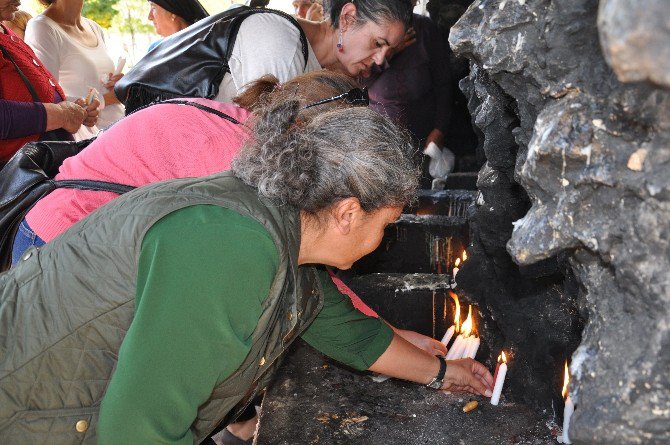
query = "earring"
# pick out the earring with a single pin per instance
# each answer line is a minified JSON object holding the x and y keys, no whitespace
{"x":340,"y":48}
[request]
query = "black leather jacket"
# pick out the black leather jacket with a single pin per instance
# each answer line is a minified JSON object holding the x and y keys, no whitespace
{"x":190,"y":63}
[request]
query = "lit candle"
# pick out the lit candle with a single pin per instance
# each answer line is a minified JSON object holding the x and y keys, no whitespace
{"x":462,"y":342}
{"x":569,"y":406}
{"x":457,"y":348}
{"x":455,"y":271}
{"x":448,"y":335}
{"x":473,"y":347}
{"x":456,"y":327}
{"x":501,"y":371}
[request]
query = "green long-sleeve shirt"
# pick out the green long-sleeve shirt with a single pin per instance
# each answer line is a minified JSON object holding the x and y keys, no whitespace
{"x":203,"y":274}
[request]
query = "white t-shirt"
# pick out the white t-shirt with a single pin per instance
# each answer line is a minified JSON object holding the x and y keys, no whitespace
{"x":265,"y":44}
{"x":74,"y":65}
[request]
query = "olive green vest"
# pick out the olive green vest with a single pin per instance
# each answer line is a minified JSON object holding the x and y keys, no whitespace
{"x":65,"y":309}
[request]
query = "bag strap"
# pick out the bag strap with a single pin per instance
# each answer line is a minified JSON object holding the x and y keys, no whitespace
{"x":96,"y":186}
{"x":29,"y":85}
{"x":104,"y":186}
{"x":191,"y":104}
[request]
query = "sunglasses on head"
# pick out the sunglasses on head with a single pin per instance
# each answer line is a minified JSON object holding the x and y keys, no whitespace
{"x":356,"y":96}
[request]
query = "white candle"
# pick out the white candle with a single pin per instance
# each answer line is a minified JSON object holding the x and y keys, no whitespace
{"x":569,"y":406}
{"x":567,"y":413}
{"x":456,"y":348}
{"x":448,"y":335}
{"x":455,"y":271}
{"x":500,"y":380}
{"x":119,"y":65}
{"x":473,"y":347}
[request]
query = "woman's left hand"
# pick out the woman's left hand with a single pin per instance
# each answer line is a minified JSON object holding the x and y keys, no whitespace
{"x":428,"y":344}
{"x":314,"y":13}
{"x":92,"y":111}
{"x":112,"y":79}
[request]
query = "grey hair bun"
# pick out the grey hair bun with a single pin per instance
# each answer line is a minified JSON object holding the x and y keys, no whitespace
{"x":341,"y":153}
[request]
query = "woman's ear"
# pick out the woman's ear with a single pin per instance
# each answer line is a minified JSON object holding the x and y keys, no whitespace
{"x":345,"y":213}
{"x":347,"y":16}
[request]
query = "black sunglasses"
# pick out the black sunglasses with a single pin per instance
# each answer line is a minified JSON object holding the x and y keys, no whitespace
{"x":356,"y":96}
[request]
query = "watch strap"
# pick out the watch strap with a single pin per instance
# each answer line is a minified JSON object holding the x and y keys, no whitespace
{"x":436,"y":383}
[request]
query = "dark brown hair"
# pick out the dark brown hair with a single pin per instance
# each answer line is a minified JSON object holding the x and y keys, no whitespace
{"x":307,"y":88}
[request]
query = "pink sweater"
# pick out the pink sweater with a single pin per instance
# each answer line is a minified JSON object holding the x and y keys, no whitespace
{"x":138,"y":150}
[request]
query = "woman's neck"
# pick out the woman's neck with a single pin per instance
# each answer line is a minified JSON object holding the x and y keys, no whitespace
{"x":64,"y":14}
{"x":322,"y":38}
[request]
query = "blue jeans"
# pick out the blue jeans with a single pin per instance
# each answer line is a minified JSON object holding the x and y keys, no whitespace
{"x":25,"y":238}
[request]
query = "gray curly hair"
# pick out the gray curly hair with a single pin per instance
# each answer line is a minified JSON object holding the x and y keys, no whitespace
{"x":341,"y":153}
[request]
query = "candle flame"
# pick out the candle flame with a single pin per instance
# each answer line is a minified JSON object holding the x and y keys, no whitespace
{"x":566,"y":380}
{"x":458,"y":262}
{"x":467,"y":324}
{"x":457,"y":312}
{"x":502,"y":358}
{"x":465,"y":255}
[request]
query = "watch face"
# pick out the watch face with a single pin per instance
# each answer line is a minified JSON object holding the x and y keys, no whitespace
{"x":435,"y":384}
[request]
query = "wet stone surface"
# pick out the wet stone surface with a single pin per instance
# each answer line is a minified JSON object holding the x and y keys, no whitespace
{"x":313,"y":400}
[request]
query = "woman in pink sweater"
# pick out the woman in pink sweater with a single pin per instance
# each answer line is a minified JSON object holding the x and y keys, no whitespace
{"x":166,"y":141}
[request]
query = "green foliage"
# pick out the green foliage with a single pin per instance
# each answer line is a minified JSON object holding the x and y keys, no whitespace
{"x":132,"y":17}
{"x":100,"y":11}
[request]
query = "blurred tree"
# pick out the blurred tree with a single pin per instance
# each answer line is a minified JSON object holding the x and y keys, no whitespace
{"x":100,"y":11}
{"x":133,"y":19}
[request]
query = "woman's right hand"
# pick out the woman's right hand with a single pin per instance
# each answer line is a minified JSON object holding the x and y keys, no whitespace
{"x":92,"y":111}
{"x":66,"y":115}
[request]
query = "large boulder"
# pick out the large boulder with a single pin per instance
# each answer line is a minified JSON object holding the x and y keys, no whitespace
{"x":581,"y":90}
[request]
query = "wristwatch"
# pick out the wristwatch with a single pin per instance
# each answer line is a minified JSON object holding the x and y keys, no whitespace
{"x":436,"y":383}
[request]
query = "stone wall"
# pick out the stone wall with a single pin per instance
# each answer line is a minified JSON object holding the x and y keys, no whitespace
{"x":572,"y":227}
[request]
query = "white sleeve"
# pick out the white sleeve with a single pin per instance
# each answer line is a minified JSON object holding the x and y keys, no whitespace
{"x":266,"y":44}
{"x":46,"y":43}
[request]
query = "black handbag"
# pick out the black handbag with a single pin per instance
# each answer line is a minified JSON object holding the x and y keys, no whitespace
{"x":190,"y":63}
{"x":28,"y":176}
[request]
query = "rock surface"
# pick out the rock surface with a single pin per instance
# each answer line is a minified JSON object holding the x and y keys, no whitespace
{"x":635,"y":40}
{"x":592,"y":153}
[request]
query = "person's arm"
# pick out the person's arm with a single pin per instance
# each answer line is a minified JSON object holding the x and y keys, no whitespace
{"x":421,"y":341}
{"x":428,"y":344}
{"x":18,"y":119}
{"x":266,"y":44}
{"x":203,"y":274}
{"x":404,"y":361}
{"x":344,"y":333}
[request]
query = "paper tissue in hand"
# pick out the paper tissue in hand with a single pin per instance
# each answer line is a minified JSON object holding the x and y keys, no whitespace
{"x":442,"y":162}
